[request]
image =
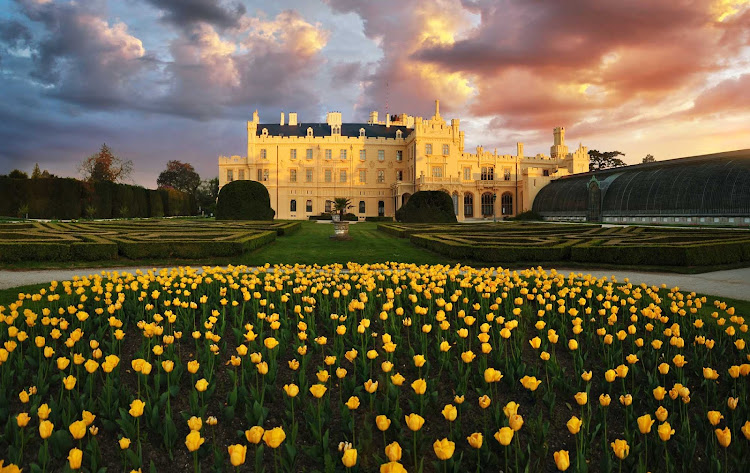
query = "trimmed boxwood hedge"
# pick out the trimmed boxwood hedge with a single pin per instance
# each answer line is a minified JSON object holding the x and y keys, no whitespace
{"x":244,"y":200}
{"x":427,"y":207}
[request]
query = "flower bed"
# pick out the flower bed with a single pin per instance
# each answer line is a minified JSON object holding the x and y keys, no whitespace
{"x":377,"y":367}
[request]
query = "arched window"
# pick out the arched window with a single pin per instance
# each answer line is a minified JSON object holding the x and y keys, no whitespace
{"x":468,"y":204}
{"x":506,"y":204}
{"x":361,"y":206}
{"x":264,"y":132}
{"x":455,"y":202}
{"x":309,"y":131}
{"x":309,"y":206}
{"x":293,"y":205}
{"x":381,"y":208}
{"x":487,"y":203}
{"x":399,"y":134}
{"x":361,"y":132}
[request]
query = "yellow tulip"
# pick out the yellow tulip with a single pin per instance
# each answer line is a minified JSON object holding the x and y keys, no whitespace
{"x":732,"y":402}
{"x":167,"y":365}
{"x":414,"y":422}
{"x":746,"y":429}
{"x":530,"y":383}
{"x":644,"y":423}
{"x":75,"y":456}
{"x":274,"y":437}
{"x":574,"y":425}
{"x":62,"y":363}
{"x":237,"y":454}
{"x":626,"y":399}
{"x":124,"y":443}
{"x":419,"y":386}
{"x":23,"y":419}
{"x":450,"y":412}
{"x":659,"y":393}
{"x":419,"y":361}
{"x":254,"y":434}
{"x":136,"y":408}
{"x":484,"y":401}
{"x":393,"y":452}
{"x":586,"y":375}
{"x":69,"y":382}
{"x":322,"y":376}
{"x":504,"y":436}
{"x":572,"y":344}
{"x":661,"y":414}
{"x":392,"y":467}
{"x":77,"y":429}
{"x":195,"y":423}
{"x":562,"y":460}
{"x":724,"y":436}
{"x":371,"y":386}
{"x":397,"y":379}
{"x":610,"y":375}
{"x":475,"y":440}
{"x":350,"y":457}
{"x":193,"y":441}
{"x":665,"y":431}
{"x":45,"y":429}
{"x":582,"y":398}
{"x":621,"y":448}
{"x":291,"y":390}
{"x":458,"y":399}
{"x":352,"y":403}
{"x":262,"y":368}
{"x":679,"y":361}
{"x":468,"y":356}
{"x":663,"y":368}
{"x":382,"y":422}
{"x":193,"y":366}
{"x":714,"y":417}
{"x":604,"y":399}
{"x":270,"y":343}
{"x":535,"y":343}
{"x":516,"y":422}
{"x":622,"y":371}
{"x":444,"y":448}
{"x":510,"y":409}
{"x":201,"y":385}
{"x":318,"y":390}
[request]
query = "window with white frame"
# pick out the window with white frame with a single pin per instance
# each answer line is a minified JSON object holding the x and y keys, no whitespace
{"x":308,"y":175}
{"x":309,"y":153}
{"x":263,"y":154}
{"x":381,"y":155}
{"x":308,"y":206}
{"x":265,"y":174}
{"x":342,"y":175}
{"x":292,"y":154}
{"x":241,"y":174}
{"x":446,"y":149}
{"x":328,"y":154}
{"x":361,"y":132}
{"x":362,"y":176}
{"x":399,"y":155}
{"x":292,"y":175}
{"x":467,"y":174}
{"x":328,"y":175}
{"x":381,"y":175}
{"x":437,"y":171}
{"x":399,"y":175}
{"x":230,"y":175}
{"x":362,"y":155}
{"x":342,"y":154}
{"x":428,"y":148}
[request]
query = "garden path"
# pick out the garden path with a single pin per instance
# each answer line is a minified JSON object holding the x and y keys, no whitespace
{"x":734,"y":283}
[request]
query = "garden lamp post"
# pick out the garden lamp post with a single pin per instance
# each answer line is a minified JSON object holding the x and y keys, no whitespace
{"x":494,"y":213}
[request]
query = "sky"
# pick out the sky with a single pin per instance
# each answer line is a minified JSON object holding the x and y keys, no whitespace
{"x":177,"y":79}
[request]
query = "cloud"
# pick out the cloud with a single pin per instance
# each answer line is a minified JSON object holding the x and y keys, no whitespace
{"x":729,"y":96}
{"x":14,"y":34}
{"x":186,"y":13}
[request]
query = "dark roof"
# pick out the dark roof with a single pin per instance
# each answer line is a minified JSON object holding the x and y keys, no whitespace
{"x":712,"y":184}
{"x":323,"y":129}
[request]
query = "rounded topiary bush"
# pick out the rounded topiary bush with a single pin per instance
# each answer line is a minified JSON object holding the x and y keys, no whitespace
{"x":427,"y":207}
{"x":244,"y":200}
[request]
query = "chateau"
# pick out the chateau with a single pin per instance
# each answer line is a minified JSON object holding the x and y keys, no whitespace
{"x":380,"y":164}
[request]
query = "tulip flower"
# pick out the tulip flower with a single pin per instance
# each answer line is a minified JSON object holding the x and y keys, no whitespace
{"x":621,"y":448}
{"x":397,"y":379}
{"x":45,"y":429}
{"x":201,"y":385}
{"x":450,"y":412}
{"x":371,"y":386}
{"x":237,"y":454}
{"x":77,"y":429}
{"x":350,"y":457}
{"x":136,"y":408}
{"x":23,"y":419}
{"x":393,"y":452}
{"x":392,"y":467}
{"x":274,"y":437}
{"x":484,"y":401}
{"x":352,"y":403}
{"x":510,"y":409}
{"x":414,"y":422}
{"x":475,"y":440}
{"x":562,"y":460}
{"x":254,"y":434}
{"x":504,"y":436}
{"x":582,"y":398}
{"x":291,"y":390}
{"x":516,"y":422}
{"x":714,"y":417}
{"x":444,"y":448}
{"x":318,"y":390}
{"x":746,"y":429}
{"x":665,"y":431}
{"x":382,"y":422}
{"x":724,"y":436}
{"x":193,"y":441}
{"x":419,"y":386}
{"x":195,"y":423}
{"x":75,"y":456}
{"x":574,"y":425}
{"x":644,"y":423}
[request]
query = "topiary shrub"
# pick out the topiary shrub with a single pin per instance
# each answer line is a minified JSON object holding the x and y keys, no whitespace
{"x":427,"y":207}
{"x":244,"y":200}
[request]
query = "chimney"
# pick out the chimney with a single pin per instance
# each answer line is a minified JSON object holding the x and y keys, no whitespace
{"x":373,"y":118}
{"x":520,"y":150}
{"x":293,"y":119}
{"x":255,"y":116}
{"x":282,"y":119}
{"x":387,"y":120}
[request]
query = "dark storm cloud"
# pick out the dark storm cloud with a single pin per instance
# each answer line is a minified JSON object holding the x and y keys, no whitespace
{"x":14,"y":34}
{"x":185,"y":13}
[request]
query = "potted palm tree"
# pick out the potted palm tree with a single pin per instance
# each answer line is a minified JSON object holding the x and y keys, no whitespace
{"x":340,"y":226}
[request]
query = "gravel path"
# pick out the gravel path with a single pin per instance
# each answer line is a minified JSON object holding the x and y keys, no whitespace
{"x":734,"y":283}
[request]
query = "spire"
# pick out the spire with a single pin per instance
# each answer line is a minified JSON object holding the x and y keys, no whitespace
{"x":437,"y":109}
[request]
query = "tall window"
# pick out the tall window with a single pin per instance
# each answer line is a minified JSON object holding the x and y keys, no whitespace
{"x":260,"y":174}
{"x":328,"y":206}
{"x":381,"y":155}
{"x":361,"y":132}
{"x":487,"y":203}
{"x":342,"y":154}
{"x":309,"y":131}
{"x":263,"y":153}
{"x":399,"y":175}
{"x":488,"y":173}
{"x":308,"y":175}
{"x":381,"y":175}
{"x":446,"y":149}
{"x":292,"y":154}
{"x":467,"y":174}
{"x":309,"y":153}
{"x":342,"y":175}
{"x":437,"y":171}
{"x":361,"y":206}
{"x":230,"y":175}
{"x":308,"y":206}
{"x":399,"y":155}
{"x":362,"y":176}
{"x":241,"y":175}
{"x":506,"y":204}
{"x":292,"y":175}
{"x":468,"y":204}
{"x":428,"y":148}
{"x":506,"y":174}
{"x":328,"y":175}
{"x":292,"y":205}
{"x":328,"y":154}
{"x":381,"y":208}
{"x":455,"y":202}
{"x":265,"y":174}
{"x":362,"y":155}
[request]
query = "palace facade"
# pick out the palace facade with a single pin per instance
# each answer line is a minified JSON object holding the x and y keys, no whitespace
{"x":380,"y":164}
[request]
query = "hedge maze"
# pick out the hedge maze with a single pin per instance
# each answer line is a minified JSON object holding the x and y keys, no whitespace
{"x":109,"y":240}
{"x":537,"y":243}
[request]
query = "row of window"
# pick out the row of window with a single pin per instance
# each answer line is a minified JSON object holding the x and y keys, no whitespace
{"x":487,"y":201}
{"x":328,"y":153}
{"x":428,"y":149}
{"x":362,"y":206}
{"x":328,"y":173}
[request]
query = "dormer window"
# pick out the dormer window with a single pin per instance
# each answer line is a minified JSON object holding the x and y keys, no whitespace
{"x":264,"y":132}
{"x":361,"y":132}
{"x":309,"y":131}
{"x":399,"y":134}
{"x":336,"y":129}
